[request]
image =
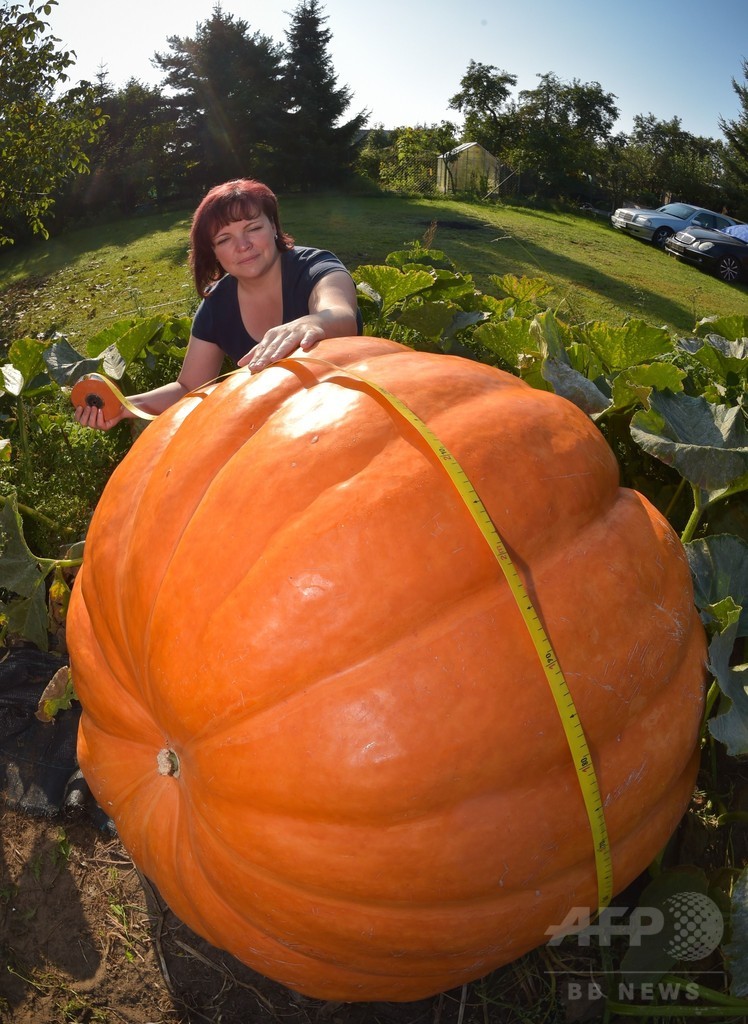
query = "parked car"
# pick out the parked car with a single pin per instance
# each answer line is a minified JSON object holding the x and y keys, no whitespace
{"x":657,"y":225}
{"x":724,"y":253}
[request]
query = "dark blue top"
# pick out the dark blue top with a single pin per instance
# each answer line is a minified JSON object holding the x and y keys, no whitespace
{"x":219,"y":320}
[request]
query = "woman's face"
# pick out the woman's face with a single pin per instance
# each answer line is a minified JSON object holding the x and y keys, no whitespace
{"x":246,"y":249}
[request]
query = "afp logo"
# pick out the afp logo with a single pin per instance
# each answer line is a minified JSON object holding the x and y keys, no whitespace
{"x":687,"y":926}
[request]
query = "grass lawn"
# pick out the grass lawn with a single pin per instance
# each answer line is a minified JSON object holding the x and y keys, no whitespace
{"x":86,"y":279}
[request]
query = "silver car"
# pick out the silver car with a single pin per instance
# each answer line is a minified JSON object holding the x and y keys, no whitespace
{"x":657,"y":225}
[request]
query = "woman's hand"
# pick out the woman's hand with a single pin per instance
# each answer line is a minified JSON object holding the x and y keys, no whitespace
{"x":332,"y":314}
{"x":92,"y":416}
{"x":281,"y":341}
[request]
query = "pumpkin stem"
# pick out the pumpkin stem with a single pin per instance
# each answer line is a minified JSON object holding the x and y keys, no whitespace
{"x":168,"y":762}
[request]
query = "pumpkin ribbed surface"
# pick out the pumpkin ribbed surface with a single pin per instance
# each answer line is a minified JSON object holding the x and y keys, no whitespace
{"x":311,"y":705}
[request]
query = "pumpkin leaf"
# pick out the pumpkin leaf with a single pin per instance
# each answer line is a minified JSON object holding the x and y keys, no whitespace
{"x":58,"y":695}
{"x":460,"y":320}
{"x":622,"y":347}
{"x":707,"y":444}
{"x":510,"y":340}
{"x":448,"y":285}
{"x":27,"y":618}
{"x":65,"y":365}
{"x":731,"y":327}
{"x":635,"y":384}
{"x":736,"y":950}
{"x":523,"y":289}
{"x":27,"y":355}
{"x":431,"y":319}
{"x":574,"y":386}
{"x":731,"y":726}
{"x":129,"y":336}
{"x":13,"y":379}
{"x":418,"y":255}
{"x":20,"y":571}
{"x":721,"y":356}
{"x":558,"y":371}
{"x":112,"y":363}
{"x":392,"y":286}
{"x":719,"y":567}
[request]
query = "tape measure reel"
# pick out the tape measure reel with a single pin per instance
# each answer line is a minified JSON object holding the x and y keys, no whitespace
{"x":100,"y":392}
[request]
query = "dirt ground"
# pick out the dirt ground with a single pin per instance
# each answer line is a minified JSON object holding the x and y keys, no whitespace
{"x":84,"y":938}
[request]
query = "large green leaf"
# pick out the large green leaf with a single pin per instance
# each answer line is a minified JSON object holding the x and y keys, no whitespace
{"x":13,"y":380}
{"x":431,"y":319}
{"x":574,"y":386}
{"x":731,"y":327}
{"x":129,"y":336}
{"x":418,"y":255}
{"x":552,"y":336}
{"x":721,"y":356}
{"x":20,"y":571}
{"x":27,"y":355}
{"x":523,"y":289}
{"x":621,"y":347}
{"x":510,"y":340}
{"x":635,"y":385}
{"x":719,"y":567}
{"x":65,"y":365}
{"x":731,"y":726}
{"x":392,"y":286}
{"x":28,"y":618}
{"x":706,"y":443}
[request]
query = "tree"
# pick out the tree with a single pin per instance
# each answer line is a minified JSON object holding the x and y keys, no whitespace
{"x":135,"y":160}
{"x":227,"y":100}
{"x":319,"y":150}
{"x":736,"y":154}
{"x":482,"y":97}
{"x":44,"y":136}
{"x":662,"y":160}
{"x":560,"y":131}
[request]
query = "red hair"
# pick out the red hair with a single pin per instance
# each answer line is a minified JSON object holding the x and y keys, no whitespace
{"x":241,"y":199}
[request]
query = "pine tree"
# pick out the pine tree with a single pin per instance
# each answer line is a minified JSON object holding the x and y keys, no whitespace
{"x":319,"y":149}
{"x":226,"y":84}
{"x":736,"y":153}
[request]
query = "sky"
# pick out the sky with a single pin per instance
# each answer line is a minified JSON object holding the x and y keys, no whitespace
{"x":403,"y":59}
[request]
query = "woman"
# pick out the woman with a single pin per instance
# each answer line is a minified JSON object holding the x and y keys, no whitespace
{"x":262,"y":296}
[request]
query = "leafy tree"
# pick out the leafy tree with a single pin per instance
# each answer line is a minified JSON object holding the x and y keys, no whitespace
{"x":662,"y":161}
{"x":319,"y":148}
{"x":482,"y":98}
{"x":135,"y":159}
{"x":227,"y":100}
{"x":561,"y":128}
{"x":44,"y":135}
{"x":736,"y":155}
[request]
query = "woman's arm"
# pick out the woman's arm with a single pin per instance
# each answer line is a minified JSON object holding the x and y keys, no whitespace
{"x":202,"y":362}
{"x":332,"y":314}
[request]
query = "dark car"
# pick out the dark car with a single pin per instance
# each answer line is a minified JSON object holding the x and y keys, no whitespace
{"x":724,"y":253}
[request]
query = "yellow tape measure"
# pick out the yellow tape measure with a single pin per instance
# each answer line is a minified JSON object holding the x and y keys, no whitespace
{"x":572,"y":725}
{"x":98,"y":391}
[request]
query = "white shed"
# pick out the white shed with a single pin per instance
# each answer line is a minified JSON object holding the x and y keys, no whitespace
{"x":467,"y":168}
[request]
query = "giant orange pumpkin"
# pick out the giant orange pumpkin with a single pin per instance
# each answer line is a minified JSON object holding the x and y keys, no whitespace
{"x":310,"y":703}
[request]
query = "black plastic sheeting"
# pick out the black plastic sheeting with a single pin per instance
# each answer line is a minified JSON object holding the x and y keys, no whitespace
{"x":39,"y":771}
